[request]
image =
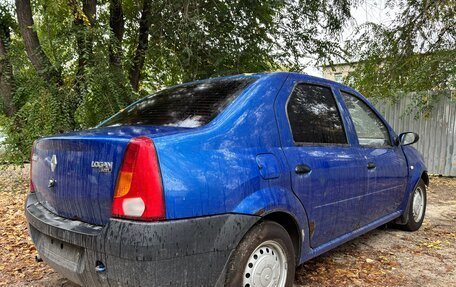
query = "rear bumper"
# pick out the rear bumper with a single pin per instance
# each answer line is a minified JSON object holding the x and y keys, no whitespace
{"x":188,"y":252}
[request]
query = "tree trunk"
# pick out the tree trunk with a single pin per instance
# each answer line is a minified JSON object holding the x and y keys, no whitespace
{"x":89,"y":7}
{"x":7,"y":86}
{"x":143,"y":43}
{"x":117,"y":25}
{"x":32,"y":45}
{"x":84,"y":42}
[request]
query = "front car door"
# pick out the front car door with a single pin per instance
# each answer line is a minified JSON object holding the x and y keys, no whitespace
{"x":387,"y":166}
{"x":327,"y":172}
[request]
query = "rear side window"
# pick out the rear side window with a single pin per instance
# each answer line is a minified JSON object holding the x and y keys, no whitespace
{"x":369,"y":128}
{"x":314,"y":117}
{"x":188,"y":106}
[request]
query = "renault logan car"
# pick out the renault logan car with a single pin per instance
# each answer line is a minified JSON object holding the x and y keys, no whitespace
{"x":230,"y":181}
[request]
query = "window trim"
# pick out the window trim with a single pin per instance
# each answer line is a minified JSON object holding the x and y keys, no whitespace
{"x":390,"y":145}
{"x":316,"y":144}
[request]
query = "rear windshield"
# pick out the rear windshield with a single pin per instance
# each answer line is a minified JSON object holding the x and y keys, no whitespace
{"x":190,"y":106}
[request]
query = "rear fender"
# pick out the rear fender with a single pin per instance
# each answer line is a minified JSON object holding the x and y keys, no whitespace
{"x":269,"y":200}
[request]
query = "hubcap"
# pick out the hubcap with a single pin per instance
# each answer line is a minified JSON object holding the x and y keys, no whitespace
{"x":418,"y":204}
{"x":266,"y":267}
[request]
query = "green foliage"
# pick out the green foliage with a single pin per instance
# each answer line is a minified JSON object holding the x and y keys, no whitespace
{"x":107,"y":92}
{"x":188,"y":40}
{"x":38,"y":116}
{"x":6,"y":20}
{"x":414,"y":54}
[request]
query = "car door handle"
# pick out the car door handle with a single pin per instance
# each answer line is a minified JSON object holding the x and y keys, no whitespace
{"x":302,"y":168}
{"x":371,"y":165}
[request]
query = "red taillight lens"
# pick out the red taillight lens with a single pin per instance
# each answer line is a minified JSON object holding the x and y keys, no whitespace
{"x":139,"y":192}
{"x":32,"y":157}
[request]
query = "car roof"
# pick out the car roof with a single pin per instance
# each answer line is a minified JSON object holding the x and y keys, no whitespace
{"x":305,"y":77}
{"x":315,"y":79}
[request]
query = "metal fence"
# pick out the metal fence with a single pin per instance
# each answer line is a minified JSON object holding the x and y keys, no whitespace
{"x":437,"y":133}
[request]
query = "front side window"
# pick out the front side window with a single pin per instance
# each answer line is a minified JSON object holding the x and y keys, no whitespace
{"x":191,"y":105}
{"x":369,"y":128}
{"x":314,"y":117}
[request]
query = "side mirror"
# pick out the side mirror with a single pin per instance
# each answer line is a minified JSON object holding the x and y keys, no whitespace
{"x":407,"y":138}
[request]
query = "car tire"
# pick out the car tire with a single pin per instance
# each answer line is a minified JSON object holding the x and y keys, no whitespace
{"x":265,"y":255}
{"x":417,"y":208}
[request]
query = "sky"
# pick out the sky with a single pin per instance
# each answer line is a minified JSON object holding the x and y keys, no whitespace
{"x":368,"y":11}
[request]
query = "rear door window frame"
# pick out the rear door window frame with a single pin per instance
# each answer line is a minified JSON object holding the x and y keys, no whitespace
{"x":338,"y":107}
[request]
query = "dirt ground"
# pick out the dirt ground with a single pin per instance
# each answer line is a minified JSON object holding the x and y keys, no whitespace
{"x":383,"y":257}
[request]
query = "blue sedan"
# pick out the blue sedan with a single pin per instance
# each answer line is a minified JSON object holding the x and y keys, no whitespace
{"x":231,"y":181}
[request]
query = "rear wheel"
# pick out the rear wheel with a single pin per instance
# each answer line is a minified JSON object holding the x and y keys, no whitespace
{"x":265,"y":257}
{"x":417,"y":208}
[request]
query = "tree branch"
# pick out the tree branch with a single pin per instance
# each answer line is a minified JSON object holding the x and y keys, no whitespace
{"x":143,"y":44}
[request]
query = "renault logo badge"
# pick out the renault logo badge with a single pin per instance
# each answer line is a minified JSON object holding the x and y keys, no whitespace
{"x":53,"y":162}
{"x":51,"y":183}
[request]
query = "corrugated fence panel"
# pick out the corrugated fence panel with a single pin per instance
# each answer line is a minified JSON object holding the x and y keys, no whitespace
{"x":437,"y":133}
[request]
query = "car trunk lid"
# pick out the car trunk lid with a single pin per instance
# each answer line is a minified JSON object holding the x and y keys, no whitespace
{"x":74,"y":175}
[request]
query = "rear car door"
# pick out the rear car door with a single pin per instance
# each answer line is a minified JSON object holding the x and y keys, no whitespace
{"x":327,"y":172}
{"x":387,"y":166}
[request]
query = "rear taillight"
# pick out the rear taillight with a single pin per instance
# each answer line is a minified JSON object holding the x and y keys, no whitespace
{"x":32,"y":158}
{"x":139,"y":191}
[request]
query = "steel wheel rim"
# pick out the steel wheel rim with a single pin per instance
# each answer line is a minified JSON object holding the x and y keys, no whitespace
{"x":418,"y":204}
{"x":266,"y":267}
